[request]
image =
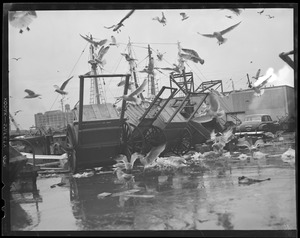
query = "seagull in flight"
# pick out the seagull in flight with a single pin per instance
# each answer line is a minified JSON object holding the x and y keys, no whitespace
{"x":98,"y":58}
{"x":220,"y":140}
{"x":120,"y":24}
{"x":192,"y":55}
{"x":127,"y":57}
{"x":31,"y":94}
{"x":17,"y":59}
{"x":160,"y":56}
{"x":152,"y":155}
{"x":184,"y":16}
{"x":257,"y":86}
{"x":133,"y":96}
{"x":60,"y":89}
{"x":122,"y":83}
{"x":162,"y":20}
{"x":95,"y":43}
{"x":257,"y":75}
{"x":230,"y":17}
{"x":270,"y":16}
{"x":16,"y":112}
{"x":176,"y":69}
{"x":212,"y":110}
{"x":219,"y":34}
{"x":21,"y":19}
{"x":260,"y":12}
{"x":236,"y":11}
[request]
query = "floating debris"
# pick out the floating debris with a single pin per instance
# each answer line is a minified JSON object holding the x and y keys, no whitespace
{"x":103,"y":195}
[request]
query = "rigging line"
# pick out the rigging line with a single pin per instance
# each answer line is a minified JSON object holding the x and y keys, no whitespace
{"x":78,"y":58}
{"x":148,"y":43}
{"x":72,"y":71}
{"x":140,"y":46}
{"x":197,"y":74}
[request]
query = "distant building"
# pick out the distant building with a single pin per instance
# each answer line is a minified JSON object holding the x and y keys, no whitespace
{"x":53,"y":119}
{"x":278,"y":102}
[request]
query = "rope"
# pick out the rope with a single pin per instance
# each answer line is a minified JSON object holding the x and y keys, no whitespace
{"x":71,"y":72}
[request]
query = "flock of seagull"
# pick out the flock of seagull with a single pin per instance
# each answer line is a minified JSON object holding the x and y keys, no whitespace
{"x":22,"y":19}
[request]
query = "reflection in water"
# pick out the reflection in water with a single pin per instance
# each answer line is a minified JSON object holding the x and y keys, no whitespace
{"x":189,"y":199}
{"x":224,"y":220}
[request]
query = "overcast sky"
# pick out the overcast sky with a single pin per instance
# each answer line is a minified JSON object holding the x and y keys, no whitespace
{"x":53,"y":50}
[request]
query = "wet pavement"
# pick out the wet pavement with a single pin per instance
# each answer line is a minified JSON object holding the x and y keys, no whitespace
{"x":190,"y":198}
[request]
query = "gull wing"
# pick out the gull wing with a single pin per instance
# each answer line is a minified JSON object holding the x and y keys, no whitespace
{"x":65,"y":83}
{"x":102,"y":52}
{"x":140,"y":88}
{"x":29,"y":92}
{"x":230,"y":28}
{"x":192,"y":52}
{"x":257,"y":74}
{"x":109,"y":27}
{"x":264,"y":82}
{"x":227,"y":135}
{"x":128,"y":15}
{"x":87,"y":39}
{"x":213,"y":135}
{"x":207,"y":35}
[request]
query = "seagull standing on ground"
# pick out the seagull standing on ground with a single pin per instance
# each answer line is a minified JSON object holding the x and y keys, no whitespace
{"x":21,"y":19}
{"x":31,"y":94}
{"x":120,"y":24}
{"x":133,"y":96}
{"x":219,"y":34}
{"x":122,"y":176}
{"x":289,"y":157}
{"x":60,"y":89}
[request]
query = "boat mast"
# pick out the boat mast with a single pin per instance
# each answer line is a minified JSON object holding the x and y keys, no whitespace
{"x":151,"y":76}
{"x":132,"y":69}
{"x":96,"y":90}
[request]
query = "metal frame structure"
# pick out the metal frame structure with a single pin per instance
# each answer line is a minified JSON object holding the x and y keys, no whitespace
{"x":96,"y":142}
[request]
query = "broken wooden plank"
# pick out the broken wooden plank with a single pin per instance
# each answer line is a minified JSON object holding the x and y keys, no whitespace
{"x":41,"y":157}
{"x":125,"y":192}
{"x":103,"y":195}
{"x":139,"y":195}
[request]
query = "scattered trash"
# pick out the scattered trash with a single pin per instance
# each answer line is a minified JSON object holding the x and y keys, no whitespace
{"x":248,"y":181}
{"x":289,"y":157}
{"x":57,"y":184}
{"x":139,"y":196}
{"x":103,"y":195}
{"x":83,"y":175}
{"x":126,"y":192}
